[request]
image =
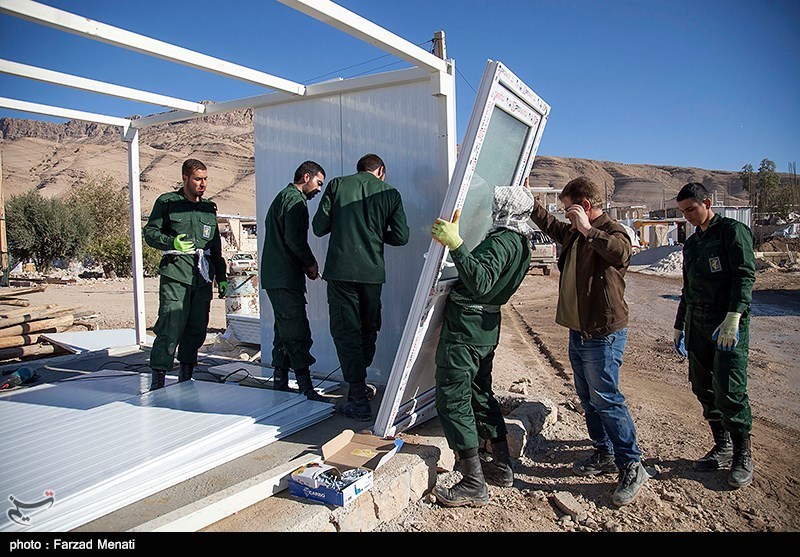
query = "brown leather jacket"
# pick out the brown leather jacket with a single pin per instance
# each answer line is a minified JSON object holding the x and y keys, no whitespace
{"x":603,"y":257}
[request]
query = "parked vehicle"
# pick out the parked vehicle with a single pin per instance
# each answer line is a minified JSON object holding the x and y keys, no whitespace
{"x":242,"y":262}
{"x":543,"y":252}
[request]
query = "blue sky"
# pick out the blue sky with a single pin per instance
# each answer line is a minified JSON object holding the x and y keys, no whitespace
{"x":705,"y":83}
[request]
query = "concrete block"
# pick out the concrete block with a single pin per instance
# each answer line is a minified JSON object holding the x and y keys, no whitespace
{"x":358,"y":516}
{"x":391,"y":491}
{"x":318,"y":518}
{"x":422,"y":478}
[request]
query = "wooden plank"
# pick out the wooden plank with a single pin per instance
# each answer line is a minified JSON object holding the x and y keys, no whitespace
{"x":13,"y":292}
{"x":21,"y":340}
{"x":29,"y":351}
{"x":35,"y":316}
{"x":10,"y":302}
{"x":41,"y":326}
{"x":15,"y":312}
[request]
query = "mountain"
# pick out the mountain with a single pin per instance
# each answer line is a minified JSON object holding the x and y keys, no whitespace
{"x":53,"y":157}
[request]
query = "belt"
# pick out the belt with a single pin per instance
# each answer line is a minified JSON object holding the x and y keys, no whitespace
{"x":202,"y":262}
{"x":469,"y":303}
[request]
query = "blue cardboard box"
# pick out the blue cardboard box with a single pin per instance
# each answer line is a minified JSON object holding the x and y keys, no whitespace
{"x":346,"y":451}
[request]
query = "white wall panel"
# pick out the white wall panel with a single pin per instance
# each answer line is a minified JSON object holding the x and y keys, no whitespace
{"x":399,"y":123}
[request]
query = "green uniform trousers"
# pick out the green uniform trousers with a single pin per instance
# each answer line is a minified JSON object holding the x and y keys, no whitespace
{"x":182,"y":322}
{"x":719,"y":378}
{"x":291,"y":342}
{"x":464,"y":399}
{"x":355,"y":319}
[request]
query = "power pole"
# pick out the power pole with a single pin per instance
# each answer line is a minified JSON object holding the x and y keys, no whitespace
{"x":439,"y":48}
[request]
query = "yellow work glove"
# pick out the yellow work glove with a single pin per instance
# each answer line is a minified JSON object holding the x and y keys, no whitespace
{"x":184,"y":246}
{"x":446,"y":232}
{"x":727,"y":334}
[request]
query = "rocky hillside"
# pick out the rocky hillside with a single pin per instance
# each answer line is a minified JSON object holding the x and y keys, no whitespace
{"x":53,"y":157}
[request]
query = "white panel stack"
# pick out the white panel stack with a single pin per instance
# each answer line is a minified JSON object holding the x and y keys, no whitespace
{"x":93,"y":451}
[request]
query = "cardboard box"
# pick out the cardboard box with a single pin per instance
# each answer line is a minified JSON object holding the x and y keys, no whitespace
{"x":347,"y":451}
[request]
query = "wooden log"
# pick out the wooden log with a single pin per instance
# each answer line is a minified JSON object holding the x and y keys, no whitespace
{"x":10,"y":302}
{"x":21,"y":340}
{"x":14,"y":312}
{"x":14,"y":292}
{"x":35,"y":316}
{"x":35,"y":350}
{"x":41,"y":326}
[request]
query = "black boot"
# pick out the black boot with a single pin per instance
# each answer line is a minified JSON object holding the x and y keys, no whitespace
{"x":157,"y":379}
{"x":498,"y":471}
{"x":357,"y":406}
{"x":305,"y":385}
{"x":280,"y":379}
{"x":471,"y":491}
{"x":721,"y":454}
{"x":742,"y":466}
{"x":185,"y":372}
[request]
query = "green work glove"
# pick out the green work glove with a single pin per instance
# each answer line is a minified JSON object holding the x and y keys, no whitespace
{"x":183,"y":246}
{"x":222,"y":287}
{"x":727,"y":334}
{"x":446,"y":232}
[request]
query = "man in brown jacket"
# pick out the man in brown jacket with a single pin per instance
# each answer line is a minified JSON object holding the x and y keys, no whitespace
{"x":595,"y":254}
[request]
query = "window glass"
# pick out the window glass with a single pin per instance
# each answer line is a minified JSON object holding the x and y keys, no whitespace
{"x":497,"y":163}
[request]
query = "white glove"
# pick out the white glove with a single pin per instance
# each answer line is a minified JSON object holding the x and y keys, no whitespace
{"x":727,"y":334}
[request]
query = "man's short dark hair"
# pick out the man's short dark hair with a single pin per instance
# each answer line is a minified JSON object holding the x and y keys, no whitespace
{"x":580,"y":189}
{"x":308,"y":167}
{"x":369,"y":163}
{"x":693,"y":190}
{"x":190,"y":165}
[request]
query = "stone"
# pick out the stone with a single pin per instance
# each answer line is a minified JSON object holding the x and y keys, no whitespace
{"x":567,"y":503}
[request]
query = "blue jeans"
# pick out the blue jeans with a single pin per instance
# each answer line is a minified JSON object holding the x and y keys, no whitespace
{"x":595,"y":365}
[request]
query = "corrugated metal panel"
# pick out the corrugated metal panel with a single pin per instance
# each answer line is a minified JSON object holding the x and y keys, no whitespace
{"x":85,"y":458}
{"x":245,"y":328}
{"x":401,"y":125}
{"x":140,"y":484}
{"x":87,"y":341}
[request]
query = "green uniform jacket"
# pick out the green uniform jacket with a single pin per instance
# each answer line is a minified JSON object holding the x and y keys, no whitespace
{"x":361,"y":213}
{"x":286,"y":254}
{"x":172,"y":215}
{"x":488,"y":275}
{"x":719,"y":268}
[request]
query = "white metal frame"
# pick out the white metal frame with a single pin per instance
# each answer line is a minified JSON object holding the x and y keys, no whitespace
{"x":439,"y":71}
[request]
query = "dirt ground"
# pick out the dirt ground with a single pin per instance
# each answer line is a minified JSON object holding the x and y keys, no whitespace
{"x":670,"y":428}
{"x":671,"y":431}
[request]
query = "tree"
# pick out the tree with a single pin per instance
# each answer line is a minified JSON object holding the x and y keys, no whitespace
{"x":107,"y":204}
{"x":746,"y":176}
{"x":768,"y":185}
{"x":46,"y":229}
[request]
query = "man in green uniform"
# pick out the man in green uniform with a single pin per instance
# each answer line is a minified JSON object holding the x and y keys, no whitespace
{"x":184,"y":226}
{"x":713,"y":323}
{"x":361,"y":212}
{"x":286,"y":261}
{"x":487,"y":277}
